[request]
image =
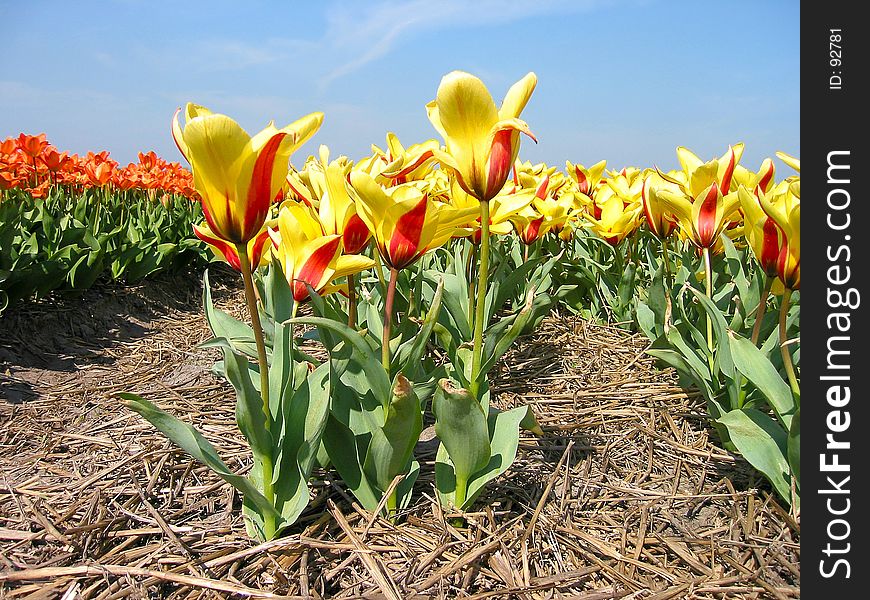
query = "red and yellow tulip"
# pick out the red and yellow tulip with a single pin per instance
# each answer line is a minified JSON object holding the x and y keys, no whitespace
{"x":659,"y":220}
{"x":307,"y":256}
{"x":588,"y":180}
{"x":398,"y":164}
{"x":405,"y":222}
{"x":336,"y":208}
{"x":237,"y":175}
{"x":482,"y":138}
{"x":503,"y":208}
{"x":701,"y":218}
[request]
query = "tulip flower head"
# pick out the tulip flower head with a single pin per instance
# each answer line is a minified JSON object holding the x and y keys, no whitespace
{"x":337,"y":209}
{"x":588,"y":180}
{"x":405,"y":222}
{"x":237,"y":175}
{"x":701,"y":201}
{"x":397,"y":164}
{"x":482,"y":139}
{"x":764,"y":236}
{"x":660,"y":222}
{"x":307,"y":256}
{"x":504,"y":207}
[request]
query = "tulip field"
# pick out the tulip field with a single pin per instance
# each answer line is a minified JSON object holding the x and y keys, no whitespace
{"x":435,"y":371}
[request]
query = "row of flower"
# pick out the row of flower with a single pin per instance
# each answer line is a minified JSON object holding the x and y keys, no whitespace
{"x":462,"y":247}
{"x":32,"y":164}
{"x":66,"y":220}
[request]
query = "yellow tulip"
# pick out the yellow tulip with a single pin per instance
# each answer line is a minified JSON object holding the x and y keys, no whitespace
{"x":703,"y":217}
{"x":307,"y":256}
{"x":400,"y":165}
{"x":588,"y":180}
{"x":337,"y":209}
{"x":617,"y":220}
{"x":237,"y":175}
{"x":404,"y":221}
{"x":785,"y":209}
{"x":659,"y":220}
{"x":543,"y":215}
{"x":763,"y":179}
{"x":698,"y":175}
{"x":482,"y":139}
{"x":762,"y":233}
{"x":504,"y":207}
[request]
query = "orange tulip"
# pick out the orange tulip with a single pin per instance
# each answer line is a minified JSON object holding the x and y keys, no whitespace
{"x":32,"y":145}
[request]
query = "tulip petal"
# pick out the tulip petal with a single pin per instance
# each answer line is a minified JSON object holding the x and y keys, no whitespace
{"x":372,"y":202}
{"x":688,"y":160}
{"x":404,"y":246}
{"x":517,"y":97}
{"x":348,"y":264}
{"x":222,"y":248}
{"x":314,"y":269}
{"x":465,"y":108}
{"x":707,"y":216}
{"x":766,"y":173}
{"x":790,"y":160}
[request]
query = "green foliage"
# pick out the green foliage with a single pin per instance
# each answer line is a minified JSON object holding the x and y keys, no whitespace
{"x":67,"y":242}
{"x":749,"y":403}
{"x":475,"y":447}
{"x":285,"y":440}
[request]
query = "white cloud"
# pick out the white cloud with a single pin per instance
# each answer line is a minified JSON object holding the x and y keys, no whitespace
{"x":363,"y":33}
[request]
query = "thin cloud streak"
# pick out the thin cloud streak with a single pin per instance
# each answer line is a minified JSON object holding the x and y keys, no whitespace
{"x":373,"y":33}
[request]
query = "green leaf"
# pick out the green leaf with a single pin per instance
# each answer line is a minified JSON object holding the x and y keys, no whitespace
{"x":504,"y":432}
{"x":222,"y":325}
{"x":391,"y":447}
{"x":192,"y":442}
{"x":757,"y":368}
{"x":461,"y":426}
{"x":496,"y":345}
{"x":676,"y":360}
{"x":307,"y":410}
{"x":529,"y":422}
{"x":410,"y":354}
{"x":363,"y":354}
{"x":342,"y":447}
{"x":720,"y":328}
{"x":249,"y":405}
{"x":763,"y":443}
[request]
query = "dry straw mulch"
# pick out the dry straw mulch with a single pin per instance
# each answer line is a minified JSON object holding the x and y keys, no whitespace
{"x":627,"y":495}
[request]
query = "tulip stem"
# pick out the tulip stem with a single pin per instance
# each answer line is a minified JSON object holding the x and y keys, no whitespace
{"x":666,"y":260}
{"x":388,"y":319}
{"x":783,"y":346}
{"x":351,"y":301}
{"x":461,"y":492}
{"x":708,"y":277}
{"x":379,"y":268}
{"x":392,"y":505}
{"x":480,"y":309}
{"x":471,"y":263}
{"x":762,"y":306}
{"x":251,"y":299}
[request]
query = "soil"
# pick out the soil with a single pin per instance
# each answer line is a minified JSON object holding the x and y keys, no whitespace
{"x":627,"y":493}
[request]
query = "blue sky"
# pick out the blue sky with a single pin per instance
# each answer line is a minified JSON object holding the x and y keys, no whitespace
{"x":622,"y":80}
